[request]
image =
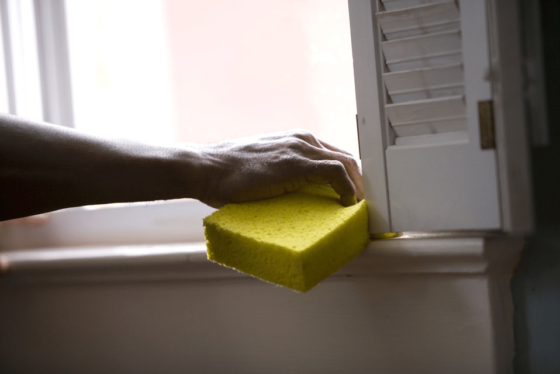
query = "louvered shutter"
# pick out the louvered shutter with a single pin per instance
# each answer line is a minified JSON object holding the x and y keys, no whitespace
{"x":426,"y":90}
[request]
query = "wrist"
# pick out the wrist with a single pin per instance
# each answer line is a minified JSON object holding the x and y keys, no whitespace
{"x":189,"y":170}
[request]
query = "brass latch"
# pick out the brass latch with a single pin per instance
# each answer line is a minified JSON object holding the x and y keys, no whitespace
{"x":486,"y":121}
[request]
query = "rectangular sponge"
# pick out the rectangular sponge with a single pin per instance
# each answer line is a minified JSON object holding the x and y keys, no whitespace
{"x":295,"y":240}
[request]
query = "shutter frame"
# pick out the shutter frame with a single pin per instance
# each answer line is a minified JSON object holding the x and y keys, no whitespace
{"x":455,"y":185}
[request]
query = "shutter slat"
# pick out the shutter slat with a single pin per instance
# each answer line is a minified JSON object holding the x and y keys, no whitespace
{"x":426,"y":19}
{"x":401,"y":4}
{"x":425,"y":81}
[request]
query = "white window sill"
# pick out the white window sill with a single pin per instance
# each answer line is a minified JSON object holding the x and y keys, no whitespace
{"x":173,"y":221}
{"x":188,"y":261}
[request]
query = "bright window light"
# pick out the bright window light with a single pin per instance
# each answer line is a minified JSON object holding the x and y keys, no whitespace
{"x":197,"y":71}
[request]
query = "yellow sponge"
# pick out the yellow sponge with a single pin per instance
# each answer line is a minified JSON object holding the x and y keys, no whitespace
{"x":295,"y":240}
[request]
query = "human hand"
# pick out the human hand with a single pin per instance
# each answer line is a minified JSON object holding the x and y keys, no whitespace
{"x":35,"y":220}
{"x":4,"y":265}
{"x":258,"y":168}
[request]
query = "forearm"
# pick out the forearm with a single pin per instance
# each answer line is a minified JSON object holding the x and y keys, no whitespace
{"x":45,"y":167}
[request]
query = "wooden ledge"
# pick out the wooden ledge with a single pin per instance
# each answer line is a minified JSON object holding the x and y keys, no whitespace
{"x":184,"y":261}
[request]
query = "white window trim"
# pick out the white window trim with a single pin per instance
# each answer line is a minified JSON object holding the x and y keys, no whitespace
{"x":38,"y":85}
{"x":136,"y":224}
{"x":177,"y":221}
{"x":104,"y":258}
{"x":54,"y":63}
{"x":414,"y":253}
{"x":437,"y":303}
{"x":21,"y":62}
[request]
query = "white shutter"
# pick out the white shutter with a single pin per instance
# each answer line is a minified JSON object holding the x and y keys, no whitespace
{"x":425,"y":88}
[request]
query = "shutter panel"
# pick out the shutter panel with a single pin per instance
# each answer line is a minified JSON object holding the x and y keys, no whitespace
{"x":431,"y":62}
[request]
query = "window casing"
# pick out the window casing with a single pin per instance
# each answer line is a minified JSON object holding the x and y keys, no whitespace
{"x":36,"y":72}
{"x":414,"y":182}
{"x":55,"y":102}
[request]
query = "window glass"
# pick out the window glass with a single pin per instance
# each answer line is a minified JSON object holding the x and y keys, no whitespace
{"x":197,"y":71}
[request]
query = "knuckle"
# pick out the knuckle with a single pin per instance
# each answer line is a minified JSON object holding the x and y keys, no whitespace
{"x":294,"y":143}
{"x":287,"y":161}
{"x":297,"y":145}
{"x":302,"y":134}
{"x":352,"y":161}
{"x":347,"y":159}
{"x":334,"y":166}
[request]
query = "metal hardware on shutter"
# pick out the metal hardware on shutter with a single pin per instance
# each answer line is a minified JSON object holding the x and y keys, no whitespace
{"x":486,"y":121}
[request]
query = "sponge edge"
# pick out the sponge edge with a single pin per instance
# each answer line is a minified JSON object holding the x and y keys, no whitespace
{"x":295,"y":240}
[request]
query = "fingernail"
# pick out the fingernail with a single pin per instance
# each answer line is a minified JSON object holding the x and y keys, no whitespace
{"x":348,"y":200}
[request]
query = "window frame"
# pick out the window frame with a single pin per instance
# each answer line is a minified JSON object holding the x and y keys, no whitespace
{"x":20,"y":59}
{"x":56,"y":100}
{"x":34,"y":39}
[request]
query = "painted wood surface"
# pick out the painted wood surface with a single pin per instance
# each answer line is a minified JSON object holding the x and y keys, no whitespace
{"x":419,"y":20}
{"x":373,"y":134}
{"x":439,"y":305}
{"x":510,"y":115}
{"x":447,"y":182}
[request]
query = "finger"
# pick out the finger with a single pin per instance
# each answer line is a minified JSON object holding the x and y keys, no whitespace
{"x":4,"y":265}
{"x":354,"y":173}
{"x":307,"y":137}
{"x":313,"y":140}
{"x":353,"y":170}
{"x":334,"y":153}
{"x":333,"y":148}
{"x":350,"y":164}
{"x":300,"y":134}
{"x":348,"y":200}
{"x":334,"y":173}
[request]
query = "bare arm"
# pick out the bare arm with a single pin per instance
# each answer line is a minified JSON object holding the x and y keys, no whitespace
{"x":45,"y":167}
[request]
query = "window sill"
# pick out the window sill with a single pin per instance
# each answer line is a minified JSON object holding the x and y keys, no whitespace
{"x":188,"y":261}
{"x":138,"y":224}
